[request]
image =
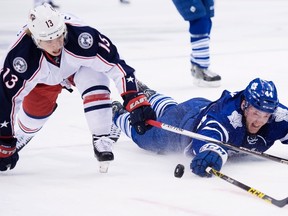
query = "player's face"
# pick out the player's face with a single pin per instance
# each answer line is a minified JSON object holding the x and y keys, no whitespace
{"x":255,"y":119}
{"x":53,"y":47}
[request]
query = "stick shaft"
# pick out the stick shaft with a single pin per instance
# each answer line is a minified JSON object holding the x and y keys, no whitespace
{"x":212,"y":140}
{"x":253,"y":191}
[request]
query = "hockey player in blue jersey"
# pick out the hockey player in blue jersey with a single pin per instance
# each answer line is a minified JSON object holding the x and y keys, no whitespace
{"x":56,"y":51}
{"x":198,"y":14}
{"x":252,"y":118}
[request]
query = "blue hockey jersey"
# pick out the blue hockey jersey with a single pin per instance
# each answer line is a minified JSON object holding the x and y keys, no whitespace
{"x":221,"y":119}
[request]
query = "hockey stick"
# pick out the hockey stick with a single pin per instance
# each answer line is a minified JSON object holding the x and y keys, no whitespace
{"x":212,"y":140}
{"x":253,"y":191}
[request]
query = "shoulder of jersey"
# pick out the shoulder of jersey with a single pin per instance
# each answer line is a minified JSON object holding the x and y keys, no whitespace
{"x":82,"y":39}
{"x":24,"y":57}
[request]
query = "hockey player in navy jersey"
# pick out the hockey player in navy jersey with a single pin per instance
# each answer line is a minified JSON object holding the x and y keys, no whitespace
{"x":55,"y":51}
{"x":252,"y":118}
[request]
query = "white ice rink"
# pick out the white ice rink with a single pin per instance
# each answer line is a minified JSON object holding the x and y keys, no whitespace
{"x":57,"y":174}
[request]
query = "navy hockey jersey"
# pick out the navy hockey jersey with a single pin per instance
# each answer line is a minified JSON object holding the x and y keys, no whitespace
{"x":24,"y":65}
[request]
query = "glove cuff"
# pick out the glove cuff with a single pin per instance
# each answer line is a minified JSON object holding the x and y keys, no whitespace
{"x":6,"y":151}
{"x":137,"y":100}
{"x":7,"y":147}
{"x":217,"y":149}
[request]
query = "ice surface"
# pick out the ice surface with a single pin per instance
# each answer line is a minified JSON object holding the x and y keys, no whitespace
{"x":57,"y":173}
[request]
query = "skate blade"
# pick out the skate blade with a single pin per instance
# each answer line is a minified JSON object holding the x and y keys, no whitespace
{"x":103,"y":166}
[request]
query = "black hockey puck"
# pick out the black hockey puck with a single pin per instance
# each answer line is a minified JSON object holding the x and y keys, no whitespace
{"x":179,"y":171}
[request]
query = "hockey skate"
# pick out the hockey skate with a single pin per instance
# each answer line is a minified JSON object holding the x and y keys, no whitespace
{"x":22,"y":140}
{"x":117,"y":109}
{"x":204,"y":77}
{"x":125,"y":1}
{"x":102,"y":146}
{"x":115,"y":133}
{"x":53,"y":4}
{"x":145,"y":89}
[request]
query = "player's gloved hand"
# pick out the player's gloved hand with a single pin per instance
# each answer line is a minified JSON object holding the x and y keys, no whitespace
{"x":210,"y":155}
{"x":8,"y":154}
{"x":140,"y":111}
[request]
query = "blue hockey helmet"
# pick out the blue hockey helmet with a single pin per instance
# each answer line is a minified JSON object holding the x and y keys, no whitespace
{"x":262,"y":95}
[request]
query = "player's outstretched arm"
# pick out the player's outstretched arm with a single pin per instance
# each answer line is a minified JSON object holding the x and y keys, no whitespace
{"x":210,"y":155}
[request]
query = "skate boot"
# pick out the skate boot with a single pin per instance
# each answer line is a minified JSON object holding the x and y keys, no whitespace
{"x":203,"y":77}
{"x":102,"y":146}
{"x":117,"y":110}
{"x":115,"y":133}
{"x":53,"y":4}
{"x":145,"y":89}
{"x":125,"y":1}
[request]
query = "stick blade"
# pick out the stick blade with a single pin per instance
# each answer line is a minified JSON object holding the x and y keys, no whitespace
{"x":280,"y":203}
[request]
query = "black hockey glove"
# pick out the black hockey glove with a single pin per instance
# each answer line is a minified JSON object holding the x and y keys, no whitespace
{"x":210,"y":155}
{"x":8,"y":153}
{"x":140,"y":111}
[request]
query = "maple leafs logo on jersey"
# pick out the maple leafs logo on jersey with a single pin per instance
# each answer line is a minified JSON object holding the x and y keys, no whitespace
{"x":281,"y":115}
{"x":235,"y":119}
{"x":85,"y":40}
{"x":20,"y":65}
{"x":256,"y":140}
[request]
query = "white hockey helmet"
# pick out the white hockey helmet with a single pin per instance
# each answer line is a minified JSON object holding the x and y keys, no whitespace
{"x":46,"y":23}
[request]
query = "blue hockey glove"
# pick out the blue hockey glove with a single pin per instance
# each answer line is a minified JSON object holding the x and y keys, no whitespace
{"x":210,"y":155}
{"x":140,"y":111}
{"x":8,"y":154}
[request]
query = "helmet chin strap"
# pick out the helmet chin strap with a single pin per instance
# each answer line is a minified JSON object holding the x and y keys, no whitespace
{"x":36,"y":42}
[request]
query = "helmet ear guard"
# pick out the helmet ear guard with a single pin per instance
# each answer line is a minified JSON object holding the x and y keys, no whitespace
{"x":262,"y":95}
{"x":245,"y":105}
